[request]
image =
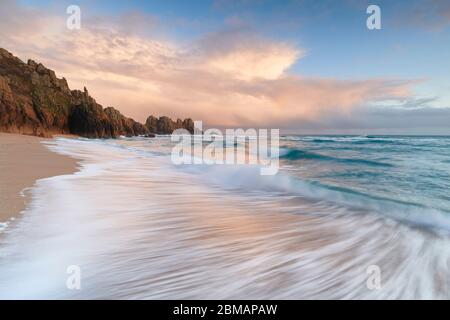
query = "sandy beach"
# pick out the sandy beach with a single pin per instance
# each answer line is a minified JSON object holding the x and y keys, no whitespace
{"x":23,"y":160}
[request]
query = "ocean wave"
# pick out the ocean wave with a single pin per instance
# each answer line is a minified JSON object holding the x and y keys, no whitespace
{"x":297,"y":154}
{"x":352,"y":140}
{"x":244,"y":178}
{"x":247,"y":177}
{"x":380,"y":141}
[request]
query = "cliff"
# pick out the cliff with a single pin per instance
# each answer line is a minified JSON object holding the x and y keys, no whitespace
{"x":34,"y":101}
{"x":165,"y":124}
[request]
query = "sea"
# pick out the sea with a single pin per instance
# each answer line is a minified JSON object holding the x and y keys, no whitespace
{"x":345,"y":217}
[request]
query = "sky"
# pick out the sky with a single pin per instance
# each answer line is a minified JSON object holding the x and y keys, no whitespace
{"x":303,"y":66}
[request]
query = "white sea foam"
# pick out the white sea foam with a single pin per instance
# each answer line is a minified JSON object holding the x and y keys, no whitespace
{"x":3,"y":226}
{"x":139,"y":227}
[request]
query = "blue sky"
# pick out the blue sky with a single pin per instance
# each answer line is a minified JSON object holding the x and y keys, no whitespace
{"x":413,"y":44}
{"x":333,"y":32}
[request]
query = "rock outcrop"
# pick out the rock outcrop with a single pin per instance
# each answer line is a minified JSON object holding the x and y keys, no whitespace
{"x":165,"y":125}
{"x":34,"y":101}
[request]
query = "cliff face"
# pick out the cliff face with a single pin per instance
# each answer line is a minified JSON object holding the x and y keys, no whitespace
{"x":87,"y":118}
{"x":34,"y":101}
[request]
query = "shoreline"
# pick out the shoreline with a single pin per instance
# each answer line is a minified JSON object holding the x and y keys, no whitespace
{"x":23,"y":160}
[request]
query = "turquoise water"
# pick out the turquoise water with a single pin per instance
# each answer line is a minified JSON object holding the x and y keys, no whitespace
{"x":394,"y":170}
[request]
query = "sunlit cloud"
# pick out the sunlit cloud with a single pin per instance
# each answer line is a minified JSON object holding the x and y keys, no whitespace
{"x":245,"y":56}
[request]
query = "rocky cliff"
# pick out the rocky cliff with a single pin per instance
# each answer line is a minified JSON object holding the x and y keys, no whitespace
{"x":163,"y":125}
{"x":34,"y":101}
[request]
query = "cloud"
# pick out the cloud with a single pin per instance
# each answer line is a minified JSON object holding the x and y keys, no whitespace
{"x":244,"y":55}
{"x":234,"y":77}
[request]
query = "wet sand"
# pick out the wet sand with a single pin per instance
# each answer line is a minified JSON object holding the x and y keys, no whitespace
{"x":23,"y":160}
